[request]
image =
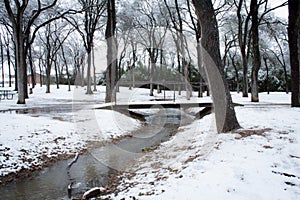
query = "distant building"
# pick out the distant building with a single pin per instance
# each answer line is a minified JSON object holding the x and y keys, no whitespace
{"x":37,"y":78}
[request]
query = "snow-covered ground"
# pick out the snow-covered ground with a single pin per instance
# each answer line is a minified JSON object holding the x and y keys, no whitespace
{"x":259,"y":161}
{"x":65,"y":126}
{"x":62,"y":123}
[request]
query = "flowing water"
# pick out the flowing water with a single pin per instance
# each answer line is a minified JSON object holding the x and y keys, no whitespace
{"x":96,"y":167}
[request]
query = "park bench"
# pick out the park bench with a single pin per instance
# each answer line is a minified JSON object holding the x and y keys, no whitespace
{"x":7,"y":94}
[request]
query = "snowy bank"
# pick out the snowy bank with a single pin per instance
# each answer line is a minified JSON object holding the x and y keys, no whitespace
{"x":259,"y":161}
{"x":62,"y":124}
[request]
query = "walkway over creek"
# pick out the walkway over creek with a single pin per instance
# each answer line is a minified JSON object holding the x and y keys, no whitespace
{"x":154,"y":105}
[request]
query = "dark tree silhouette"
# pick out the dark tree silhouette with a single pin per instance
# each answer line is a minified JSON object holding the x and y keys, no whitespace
{"x":111,"y":71}
{"x":294,"y":40}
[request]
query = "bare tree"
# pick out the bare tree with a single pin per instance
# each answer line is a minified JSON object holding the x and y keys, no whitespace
{"x":23,"y":18}
{"x":177,"y":22}
{"x":224,"y":110}
{"x":7,"y":42}
{"x":243,"y":38}
{"x":92,"y":12}
{"x":53,"y":38}
{"x":151,"y":31}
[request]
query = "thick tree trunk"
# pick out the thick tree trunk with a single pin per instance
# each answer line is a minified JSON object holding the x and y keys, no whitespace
{"x":293,"y":34}
{"x":256,"y":53}
{"x":224,"y":110}
{"x":111,"y":52}
{"x":111,"y":70}
{"x":21,"y":62}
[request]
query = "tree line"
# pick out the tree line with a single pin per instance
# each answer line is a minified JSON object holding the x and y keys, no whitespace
{"x":258,"y":51}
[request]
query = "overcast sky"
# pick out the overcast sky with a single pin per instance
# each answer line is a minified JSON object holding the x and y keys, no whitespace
{"x":281,"y":12}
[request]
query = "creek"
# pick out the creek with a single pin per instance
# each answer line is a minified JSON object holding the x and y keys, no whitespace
{"x":96,"y":167}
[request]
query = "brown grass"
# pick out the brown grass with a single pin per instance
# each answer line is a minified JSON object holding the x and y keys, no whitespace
{"x":246,"y":133}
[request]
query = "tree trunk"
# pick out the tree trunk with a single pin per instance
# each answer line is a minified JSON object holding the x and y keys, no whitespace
{"x":199,"y":61}
{"x":94,"y":69}
{"x":152,"y":71}
{"x":256,"y":53}
{"x":111,"y":52}
{"x":21,"y":62}
{"x":2,"y":61}
{"x":245,"y":78}
{"x":179,"y":72}
{"x":224,"y":110}
{"x":267,"y":76}
{"x":88,"y":72}
{"x":111,"y":70}
{"x":57,"y":74}
{"x":283,"y":63}
{"x":9,"y":65}
{"x":67,"y":67}
{"x":82,"y":72}
{"x":242,"y":38}
{"x":48,"y":76}
{"x":293,"y":34}
{"x":32,"y":70}
{"x":236,"y":73}
{"x":41,"y":72}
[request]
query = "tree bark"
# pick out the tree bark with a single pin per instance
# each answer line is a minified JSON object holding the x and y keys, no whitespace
{"x":256,"y":54}
{"x":88,"y":72}
{"x":224,"y":110}
{"x":48,"y":72}
{"x":18,"y":38}
{"x":111,"y":52}
{"x":293,"y":34}
{"x":32,"y":70}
